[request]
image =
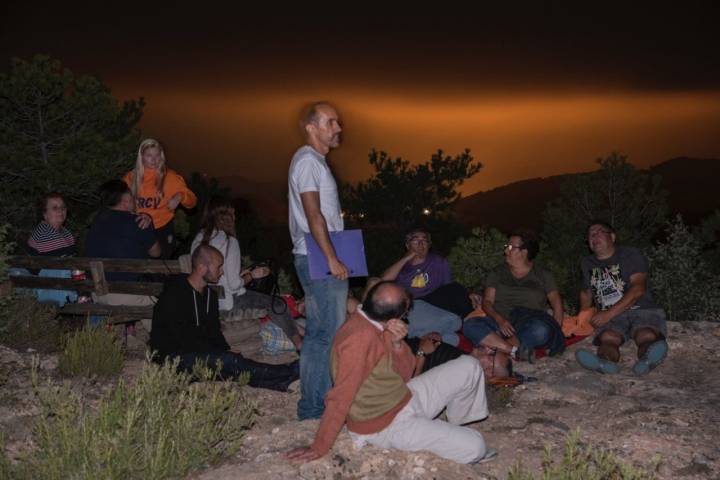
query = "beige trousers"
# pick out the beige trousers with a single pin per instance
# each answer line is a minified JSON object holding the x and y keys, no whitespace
{"x":459,"y":386}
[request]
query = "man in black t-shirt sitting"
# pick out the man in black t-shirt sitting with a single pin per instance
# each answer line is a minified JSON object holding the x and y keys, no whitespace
{"x":116,"y":233}
{"x":615,"y":281}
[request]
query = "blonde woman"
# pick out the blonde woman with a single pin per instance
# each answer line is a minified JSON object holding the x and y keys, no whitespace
{"x":218,"y":230}
{"x":158,"y":191}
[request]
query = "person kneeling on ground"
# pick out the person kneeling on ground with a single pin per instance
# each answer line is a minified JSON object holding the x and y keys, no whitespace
{"x":615,"y":278}
{"x":186,"y":325}
{"x":381,"y":404}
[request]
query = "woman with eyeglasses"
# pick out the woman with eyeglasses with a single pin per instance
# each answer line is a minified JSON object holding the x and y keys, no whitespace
{"x":516,"y":299}
{"x":50,"y":238}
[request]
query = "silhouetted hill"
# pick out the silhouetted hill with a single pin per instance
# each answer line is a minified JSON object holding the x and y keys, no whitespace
{"x":690,"y":182}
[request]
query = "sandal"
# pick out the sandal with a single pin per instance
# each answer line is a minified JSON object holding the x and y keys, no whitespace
{"x":654,"y":356}
{"x":592,"y":362}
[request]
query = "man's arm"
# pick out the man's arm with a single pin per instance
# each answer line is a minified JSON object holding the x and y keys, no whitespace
{"x":488,"y":306}
{"x":216,"y":335}
{"x":638,"y":285}
{"x":393,"y":270}
{"x":557,"y":306}
{"x":155,"y":250}
{"x":168,"y":328}
{"x":339,"y":399}
{"x":586,"y":299}
{"x":319,"y":231}
{"x":402,"y":357}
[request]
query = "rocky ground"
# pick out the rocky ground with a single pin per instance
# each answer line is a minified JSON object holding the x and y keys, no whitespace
{"x":671,"y":413}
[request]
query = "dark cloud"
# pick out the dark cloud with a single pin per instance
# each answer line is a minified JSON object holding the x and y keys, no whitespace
{"x":528,"y":45}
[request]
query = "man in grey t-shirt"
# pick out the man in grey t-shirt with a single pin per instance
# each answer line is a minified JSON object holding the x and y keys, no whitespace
{"x":314,"y":208}
{"x":615,"y":280}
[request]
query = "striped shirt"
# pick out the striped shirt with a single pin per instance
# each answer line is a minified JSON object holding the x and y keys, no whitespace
{"x":45,"y":240}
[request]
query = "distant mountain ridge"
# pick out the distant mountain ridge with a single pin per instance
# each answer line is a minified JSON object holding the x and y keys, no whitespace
{"x":691,"y":184}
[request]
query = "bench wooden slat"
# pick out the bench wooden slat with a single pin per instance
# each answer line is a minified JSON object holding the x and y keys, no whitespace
{"x":52,"y":283}
{"x":136,"y":288}
{"x":130,"y":265}
{"x":113,"y":313}
{"x":99,"y":309}
{"x":86,"y":286}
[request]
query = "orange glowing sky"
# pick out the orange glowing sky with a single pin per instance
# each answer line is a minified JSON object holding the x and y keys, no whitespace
{"x":532,"y":88}
{"x":514,"y":136}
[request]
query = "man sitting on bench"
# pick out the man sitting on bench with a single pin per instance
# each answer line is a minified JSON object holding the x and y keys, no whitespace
{"x":186,"y":325}
{"x":115,"y":233}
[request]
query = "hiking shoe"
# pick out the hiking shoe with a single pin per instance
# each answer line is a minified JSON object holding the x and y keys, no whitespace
{"x":654,"y":356}
{"x":490,"y":455}
{"x":589,"y":360}
{"x":294,"y":386}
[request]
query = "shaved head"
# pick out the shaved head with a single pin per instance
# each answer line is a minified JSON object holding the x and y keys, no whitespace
{"x":387,"y":300}
{"x":204,"y":254}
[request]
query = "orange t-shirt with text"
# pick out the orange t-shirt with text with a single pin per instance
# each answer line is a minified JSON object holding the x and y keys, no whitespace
{"x":149,"y":201}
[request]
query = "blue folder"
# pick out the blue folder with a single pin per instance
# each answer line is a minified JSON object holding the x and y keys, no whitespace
{"x":350,"y":249}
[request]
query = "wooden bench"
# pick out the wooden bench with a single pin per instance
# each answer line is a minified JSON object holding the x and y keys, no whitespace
{"x":96,"y":282}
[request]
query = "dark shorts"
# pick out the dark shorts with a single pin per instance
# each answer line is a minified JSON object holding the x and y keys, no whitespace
{"x":628,"y":322}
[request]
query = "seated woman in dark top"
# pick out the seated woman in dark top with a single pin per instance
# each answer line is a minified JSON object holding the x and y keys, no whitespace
{"x":515,"y":300}
{"x":51,"y":238}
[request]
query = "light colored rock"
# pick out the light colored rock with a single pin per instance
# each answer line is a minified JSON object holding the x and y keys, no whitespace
{"x":671,"y":412}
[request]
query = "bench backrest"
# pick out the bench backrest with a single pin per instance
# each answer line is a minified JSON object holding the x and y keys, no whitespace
{"x":95,"y":269}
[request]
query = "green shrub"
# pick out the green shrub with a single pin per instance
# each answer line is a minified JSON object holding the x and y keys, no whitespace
{"x":163,"y":426}
{"x":91,"y":351}
{"x":582,"y":462}
{"x":6,"y":248}
{"x":681,"y":278}
{"x":629,"y":199}
{"x":26,"y":323}
{"x":472,"y":258}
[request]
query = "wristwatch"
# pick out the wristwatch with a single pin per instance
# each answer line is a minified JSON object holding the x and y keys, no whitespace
{"x":420,"y":353}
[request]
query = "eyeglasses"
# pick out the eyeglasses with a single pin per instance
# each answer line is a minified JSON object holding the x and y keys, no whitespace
{"x":418,"y":240}
{"x":509,"y":247}
{"x":595,"y":233}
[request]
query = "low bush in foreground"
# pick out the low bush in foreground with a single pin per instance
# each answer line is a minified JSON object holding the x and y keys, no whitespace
{"x":90,"y":351}
{"x":583,"y":462}
{"x":163,"y":426}
{"x":26,"y":323}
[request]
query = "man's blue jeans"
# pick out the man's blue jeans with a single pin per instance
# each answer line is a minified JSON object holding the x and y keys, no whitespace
{"x":425,"y":318}
{"x":533,"y":333}
{"x":262,"y":375}
{"x":325,"y":311}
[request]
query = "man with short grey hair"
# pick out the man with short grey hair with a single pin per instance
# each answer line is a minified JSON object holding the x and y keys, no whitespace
{"x":314,"y":208}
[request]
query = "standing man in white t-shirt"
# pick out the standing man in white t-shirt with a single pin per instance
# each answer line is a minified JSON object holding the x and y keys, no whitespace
{"x":314,"y":207}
